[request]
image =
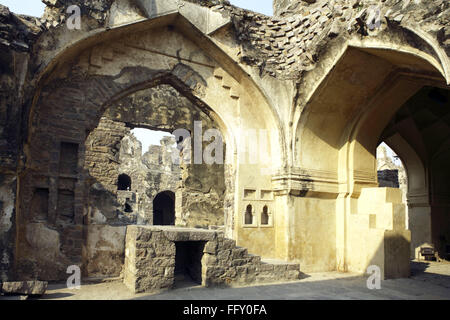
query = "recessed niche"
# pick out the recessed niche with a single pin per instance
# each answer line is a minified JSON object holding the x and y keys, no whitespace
{"x":66,"y":202}
{"x":249,"y":194}
{"x":39,"y":204}
{"x":266,"y":195}
{"x":248,"y":219}
{"x":265,"y":216}
{"x":67,"y":184}
{"x":68,"y":159}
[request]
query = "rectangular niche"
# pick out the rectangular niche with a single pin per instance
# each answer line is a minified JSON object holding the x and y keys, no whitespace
{"x":266,"y":195}
{"x":68,"y":159}
{"x":249,"y":194}
{"x":188,"y":261}
{"x":66,"y":206}
{"x":39,"y":205}
{"x":67,"y":184}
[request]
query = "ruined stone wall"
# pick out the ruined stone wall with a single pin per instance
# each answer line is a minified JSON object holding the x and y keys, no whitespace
{"x":391,"y":174}
{"x":17,"y":34}
{"x":162,"y":173}
{"x":102,"y":162}
{"x":68,"y":111}
{"x":151,"y":173}
{"x":388,"y":179}
{"x":202,"y":185}
{"x":290,"y":43}
{"x":7,"y":225}
{"x":112,"y":150}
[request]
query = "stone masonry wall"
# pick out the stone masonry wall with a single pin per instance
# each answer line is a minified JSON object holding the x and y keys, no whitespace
{"x":151,"y":173}
{"x":17,"y":34}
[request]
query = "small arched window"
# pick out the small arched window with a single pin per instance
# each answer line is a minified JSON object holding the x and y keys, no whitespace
{"x":249,"y":215}
{"x":265,"y":216}
{"x":124,"y":182}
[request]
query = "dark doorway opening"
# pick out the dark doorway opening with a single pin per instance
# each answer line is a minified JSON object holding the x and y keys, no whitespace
{"x":164,"y":209}
{"x":188,"y":262}
{"x":124,"y":182}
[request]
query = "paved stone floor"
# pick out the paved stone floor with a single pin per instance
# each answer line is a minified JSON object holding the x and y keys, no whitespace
{"x":429,"y":280}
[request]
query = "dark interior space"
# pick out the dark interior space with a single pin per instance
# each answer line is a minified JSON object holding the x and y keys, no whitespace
{"x":423,"y":122}
{"x":164,"y":209}
{"x":123,"y":182}
{"x":68,"y":161}
{"x":188,"y":261}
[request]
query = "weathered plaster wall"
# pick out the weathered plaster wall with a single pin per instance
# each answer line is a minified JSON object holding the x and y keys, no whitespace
{"x":104,"y":252}
{"x":16,"y":39}
{"x":314,"y":243}
{"x":7,"y":225}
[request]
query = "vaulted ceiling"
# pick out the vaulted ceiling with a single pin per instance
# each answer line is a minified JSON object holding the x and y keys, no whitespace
{"x":424,"y":121}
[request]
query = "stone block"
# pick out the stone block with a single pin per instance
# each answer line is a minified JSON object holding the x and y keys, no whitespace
{"x":265,"y":268}
{"x":210,"y":247}
{"x":209,"y":260}
{"x":293,"y":267}
{"x":279,"y":268}
{"x":227,"y":244}
{"x":239,"y":253}
{"x":32,"y":288}
{"x":238,"y":262}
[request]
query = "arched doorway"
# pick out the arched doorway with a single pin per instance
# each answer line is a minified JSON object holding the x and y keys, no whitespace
{"x":138,"y":83}
{"x":164,"y":209}
{"x":420,"y":132}
{"x":339,"y":130}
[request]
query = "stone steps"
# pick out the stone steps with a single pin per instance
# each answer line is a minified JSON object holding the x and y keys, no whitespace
{"x":243,"y":268}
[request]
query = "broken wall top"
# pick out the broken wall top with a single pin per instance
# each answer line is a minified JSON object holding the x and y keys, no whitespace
{"x":284,"y":45}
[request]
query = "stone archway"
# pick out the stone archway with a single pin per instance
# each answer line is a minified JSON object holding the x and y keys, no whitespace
{"x":419,"y":211}
{"x":337,"y":135}
{"x":67,"y":112}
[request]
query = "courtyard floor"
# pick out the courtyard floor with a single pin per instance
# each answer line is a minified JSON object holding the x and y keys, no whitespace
{"x":429,"y":280}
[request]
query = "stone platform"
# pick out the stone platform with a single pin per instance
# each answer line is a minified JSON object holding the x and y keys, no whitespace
{"x":152,"y":253}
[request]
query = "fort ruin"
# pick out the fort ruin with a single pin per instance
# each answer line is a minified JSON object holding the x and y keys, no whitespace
{"x":328,"y":81}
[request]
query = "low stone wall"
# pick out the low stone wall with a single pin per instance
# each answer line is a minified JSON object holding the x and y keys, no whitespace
{"x":150,"y":260}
